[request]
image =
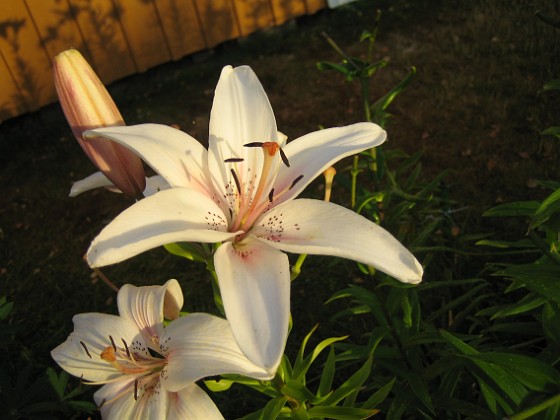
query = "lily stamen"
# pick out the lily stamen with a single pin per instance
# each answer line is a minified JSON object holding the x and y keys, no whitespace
{"x":86,"y":349}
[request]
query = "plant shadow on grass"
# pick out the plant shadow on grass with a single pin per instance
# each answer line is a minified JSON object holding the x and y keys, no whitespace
{"x":473,"y":109}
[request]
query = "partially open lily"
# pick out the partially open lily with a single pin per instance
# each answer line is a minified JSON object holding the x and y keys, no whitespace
{"x":86,"y":105}
{"x":241,"y":192}
{"x":148,"y":370}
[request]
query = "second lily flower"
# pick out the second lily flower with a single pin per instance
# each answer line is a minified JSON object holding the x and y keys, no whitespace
{"x":241,"y":192}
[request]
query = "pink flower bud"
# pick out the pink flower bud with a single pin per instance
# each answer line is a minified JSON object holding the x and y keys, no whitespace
{"x":87,"y":105}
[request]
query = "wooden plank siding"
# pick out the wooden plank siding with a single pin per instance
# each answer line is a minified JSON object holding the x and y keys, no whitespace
{"x":118,"y":37}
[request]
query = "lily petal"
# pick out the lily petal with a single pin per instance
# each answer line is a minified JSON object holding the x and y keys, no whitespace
{"x":174,"y":215}
{"x":80,"y":354}
{"x":318,"y":227}
{"x":192,"y":403}
{"x":202,"y":345}
{"x":95,"y":180}
{"x":241,"y":114}
{"x":177,"y":157}
{"x":120,"y":408}
{"x":155,"y":184}
{"x":254,"y":282}
{"x":148,"y":406}
{"x":145,"y":307}
{"x":312,"y":153}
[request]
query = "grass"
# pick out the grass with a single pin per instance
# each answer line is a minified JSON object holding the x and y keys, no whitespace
{"x":474,"y":109}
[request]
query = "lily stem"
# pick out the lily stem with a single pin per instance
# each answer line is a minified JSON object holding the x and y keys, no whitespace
{"x":296,"y":268}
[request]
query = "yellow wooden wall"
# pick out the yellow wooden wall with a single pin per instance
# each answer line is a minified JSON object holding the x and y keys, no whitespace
{"x":118,"y":37}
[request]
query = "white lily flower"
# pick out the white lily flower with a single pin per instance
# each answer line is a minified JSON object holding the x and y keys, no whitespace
{"x":149,"y":370}
{"x":241,"y":192}
{"x":154,"y":184}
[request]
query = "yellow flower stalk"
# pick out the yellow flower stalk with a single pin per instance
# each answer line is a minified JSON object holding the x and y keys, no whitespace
{"x":87,"y":105}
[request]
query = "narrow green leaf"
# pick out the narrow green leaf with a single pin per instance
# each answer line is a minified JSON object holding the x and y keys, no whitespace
{"x":273,"y":408}
{"x":498,"y":380}
{"x":379,"y":396}
{"x":519,"y":208}
{"x":531,"y":372}
{"x":301,"y":370}
{"x":539,"y":277}
{"x":354,"y":382}
{"x":297,"y":391}
{"x":341,"y":413}
{"x":554,"y":131}
{"x":550,"y":324}
{"x":325,"y":384}
{"x":550,"y":206}
{"x":552,"y":85}
{"x":526,"y":304}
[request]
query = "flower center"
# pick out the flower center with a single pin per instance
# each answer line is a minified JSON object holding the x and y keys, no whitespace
{"x":251,"y":201}
{"x":143,"y":364}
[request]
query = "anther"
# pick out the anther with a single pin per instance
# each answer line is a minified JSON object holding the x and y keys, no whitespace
{"x":108,"y":354}
{"x":126,"y":347}
{"x":295,"y":181}
{"x":136,"y":390}
{"x":271,"y":195}
{"x":254,"y":144}
{"x":86,"y":349}
{"x":284,"y":158}
{"x":113,"y":343}
{"x":236,"y":179}
{"x":234,"y":160}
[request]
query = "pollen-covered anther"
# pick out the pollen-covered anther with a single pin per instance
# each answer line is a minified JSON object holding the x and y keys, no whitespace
{"x":272,"y":148}
{"x":108,"y":354}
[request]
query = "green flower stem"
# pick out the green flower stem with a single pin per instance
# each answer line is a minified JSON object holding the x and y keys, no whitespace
{"x":296,"y":268}
{"x":531,"y":411}
{"x":215,"y":286}
{"x":354,"y":176}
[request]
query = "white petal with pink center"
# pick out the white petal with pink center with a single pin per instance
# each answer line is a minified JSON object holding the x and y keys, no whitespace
{"x":146,"y":369}
{"x":250,"y":174}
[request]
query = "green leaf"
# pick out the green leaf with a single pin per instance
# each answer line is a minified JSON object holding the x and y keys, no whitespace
{"x":297,"y":391}
{"x":301,"y":369}
{"x":494,"y":380}
{"x":273,"y":408}
{"x":379,"y":396}
{"x":531,"y":372}
{"x":329,"y":370}
{"x":519,"y":208}
{"x":353,"y":383}
{"x":554,"y":131}
{"x":550,"y":206}
{"x":526,"y":304}
{"x":542,"y":278}
{"x":190,"y":251}
{"x":58,"y":382}
{"x":300,"y":413}
{"x":5,"y":308}
{"x":549,"y":319}
{"x":521,"y":244}
{"x":382,"y":103}
{"x":552,"y":85}
{"x":327,"y":65}
{"x":341,"y":413}
{"x":218,"y":385}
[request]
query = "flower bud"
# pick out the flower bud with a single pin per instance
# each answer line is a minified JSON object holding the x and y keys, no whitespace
{"x":87,"y":105}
